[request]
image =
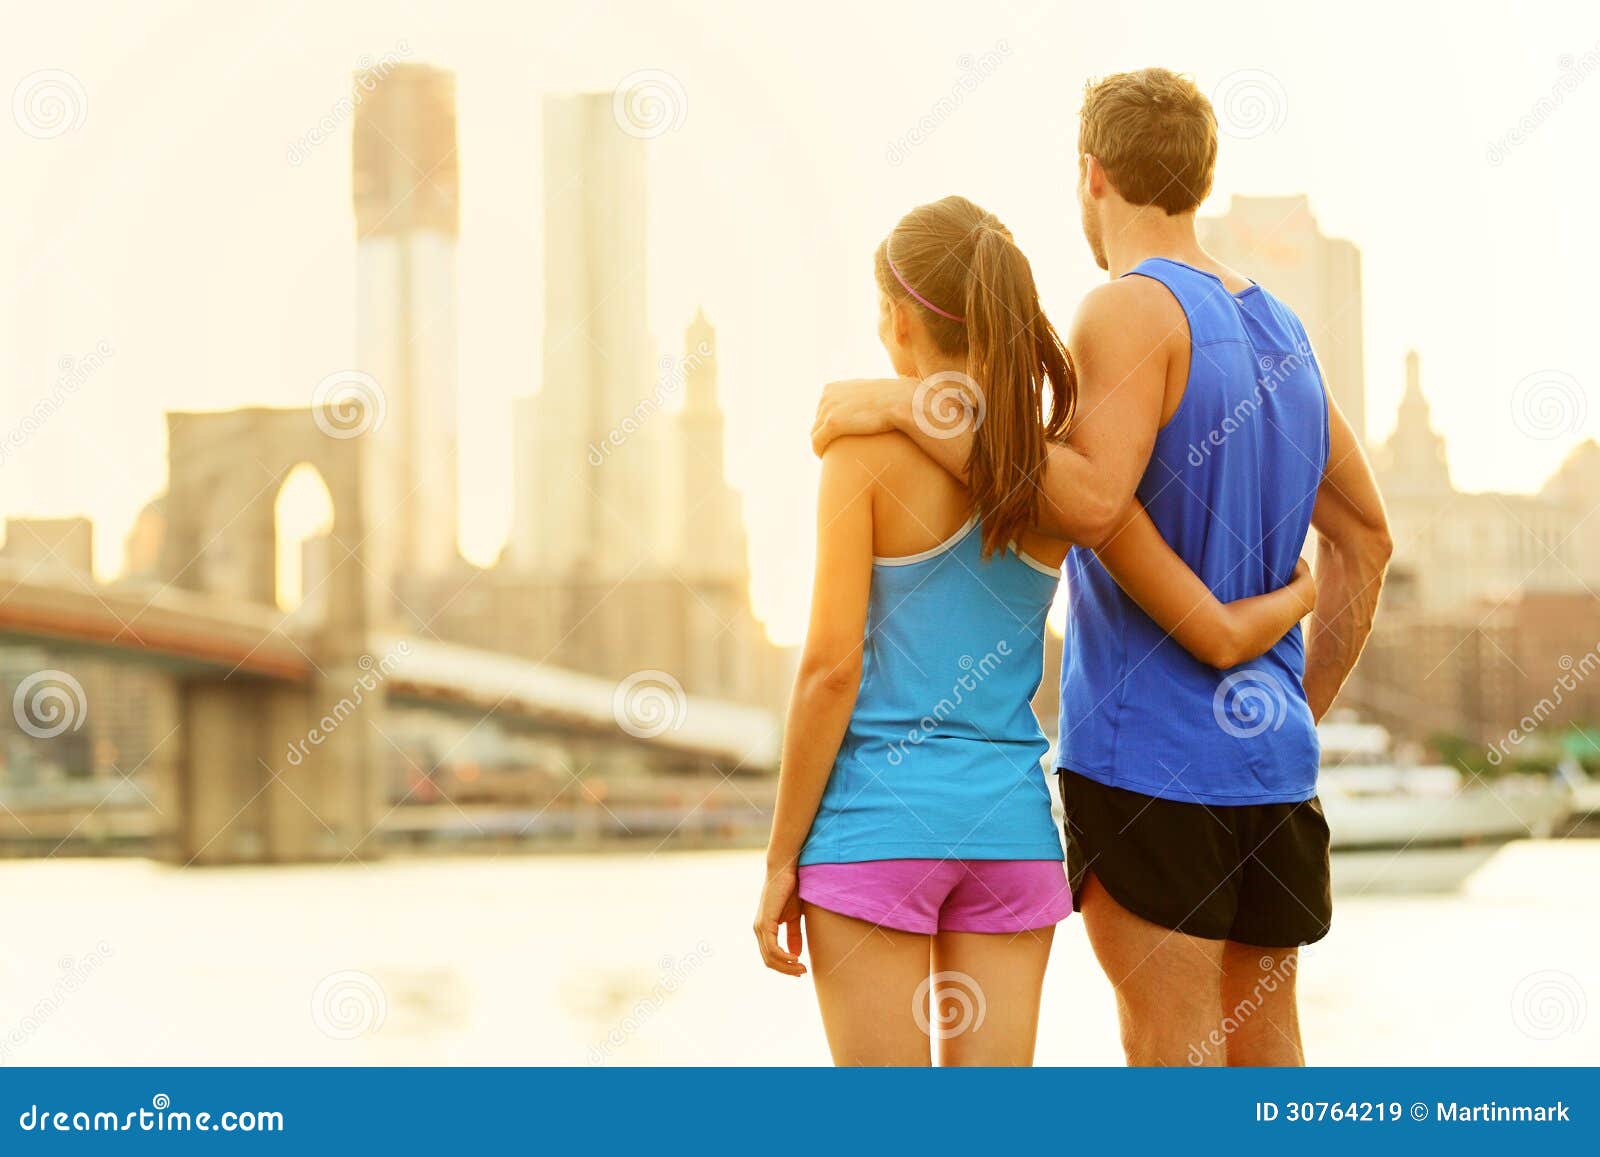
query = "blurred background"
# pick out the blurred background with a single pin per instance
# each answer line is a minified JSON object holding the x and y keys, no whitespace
{"x":408,"y":501}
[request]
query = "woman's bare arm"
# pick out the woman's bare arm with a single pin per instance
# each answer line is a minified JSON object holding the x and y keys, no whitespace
{"x":1220,"y":634}
{"x":825,"y":687}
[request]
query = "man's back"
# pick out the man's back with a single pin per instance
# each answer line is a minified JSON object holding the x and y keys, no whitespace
{"x":1231,"y":483}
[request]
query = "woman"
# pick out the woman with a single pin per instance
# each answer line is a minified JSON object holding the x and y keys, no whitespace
{"x":913,"y":829}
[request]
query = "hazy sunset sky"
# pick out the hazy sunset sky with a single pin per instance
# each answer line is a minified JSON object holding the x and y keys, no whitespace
{"x":171,"y":224}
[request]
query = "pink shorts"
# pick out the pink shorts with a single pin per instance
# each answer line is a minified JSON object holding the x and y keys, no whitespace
{"x":929,"y":896}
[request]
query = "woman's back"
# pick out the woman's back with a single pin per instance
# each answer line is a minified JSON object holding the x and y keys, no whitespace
{"x":941,"y":757}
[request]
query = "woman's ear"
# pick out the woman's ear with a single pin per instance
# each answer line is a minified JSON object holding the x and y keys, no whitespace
{"x":900,"y":319}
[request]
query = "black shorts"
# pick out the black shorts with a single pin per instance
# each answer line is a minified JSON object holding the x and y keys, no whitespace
{"x":1256,"y":874}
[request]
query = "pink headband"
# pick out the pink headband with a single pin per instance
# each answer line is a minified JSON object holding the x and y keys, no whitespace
{"x":906,"y":285}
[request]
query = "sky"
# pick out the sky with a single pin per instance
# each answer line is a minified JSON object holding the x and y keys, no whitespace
{"x":185,"y":222}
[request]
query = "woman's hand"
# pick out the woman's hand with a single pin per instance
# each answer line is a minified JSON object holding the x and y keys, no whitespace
{"x":1304,"y":585}
{"x":780,"y":904}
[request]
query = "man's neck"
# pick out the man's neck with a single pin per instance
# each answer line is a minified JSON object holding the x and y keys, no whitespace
{"x":1137,"y":233}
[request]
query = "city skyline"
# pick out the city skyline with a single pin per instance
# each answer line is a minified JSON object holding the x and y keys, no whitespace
{"x":783,"y":273}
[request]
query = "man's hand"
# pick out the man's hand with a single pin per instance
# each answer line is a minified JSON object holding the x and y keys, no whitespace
{"x":861,"y":406}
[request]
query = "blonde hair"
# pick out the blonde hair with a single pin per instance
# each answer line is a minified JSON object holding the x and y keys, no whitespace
{"x":1155,"y":134}
{"x":958,"y":265}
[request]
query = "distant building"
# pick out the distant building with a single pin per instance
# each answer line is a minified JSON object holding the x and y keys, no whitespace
{"x":1276,"y":241}
{"x":407,"y":207}
{"x":1526,"y":663}
{"x":627,"y":549}
{"x":590,"y":491}
{"x":1453,"y":548}
{"x":55,"y":547}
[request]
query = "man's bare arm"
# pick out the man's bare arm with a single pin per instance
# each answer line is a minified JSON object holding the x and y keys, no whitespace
{"x":1353,"y":549}
{"x":1119,"y":349}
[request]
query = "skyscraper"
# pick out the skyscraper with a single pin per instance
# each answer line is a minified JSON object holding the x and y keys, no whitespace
{"x":407,"y":212}
{"x":1276,"y":241}
{"x":590,"y":492}
{"x":711,"y":542}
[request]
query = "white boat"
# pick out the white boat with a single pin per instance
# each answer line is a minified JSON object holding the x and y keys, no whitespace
{"x":1376,"y":798}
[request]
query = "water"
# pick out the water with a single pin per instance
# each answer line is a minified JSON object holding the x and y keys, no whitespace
{"x":1474,"y":957}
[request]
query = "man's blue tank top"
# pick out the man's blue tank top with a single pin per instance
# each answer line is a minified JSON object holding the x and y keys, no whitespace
{"x":1230,"y":484}
{"x":943,"y":756}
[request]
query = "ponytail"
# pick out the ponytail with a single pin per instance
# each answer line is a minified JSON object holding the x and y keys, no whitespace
{"x":1013,"y":354}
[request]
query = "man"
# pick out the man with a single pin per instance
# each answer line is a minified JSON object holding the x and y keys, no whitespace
{"x":1196,"y":846}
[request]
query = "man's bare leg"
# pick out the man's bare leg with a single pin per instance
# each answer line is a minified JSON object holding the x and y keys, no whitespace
{"x":1168,"y":985}
{"x":1260,"y":1016}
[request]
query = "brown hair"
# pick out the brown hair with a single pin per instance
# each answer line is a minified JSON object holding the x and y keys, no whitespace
{"x":1155,"y":135}
{"x":962,"y":261}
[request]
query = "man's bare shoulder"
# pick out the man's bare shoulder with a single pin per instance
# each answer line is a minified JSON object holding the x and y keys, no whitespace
{"x":1136,"y":305}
